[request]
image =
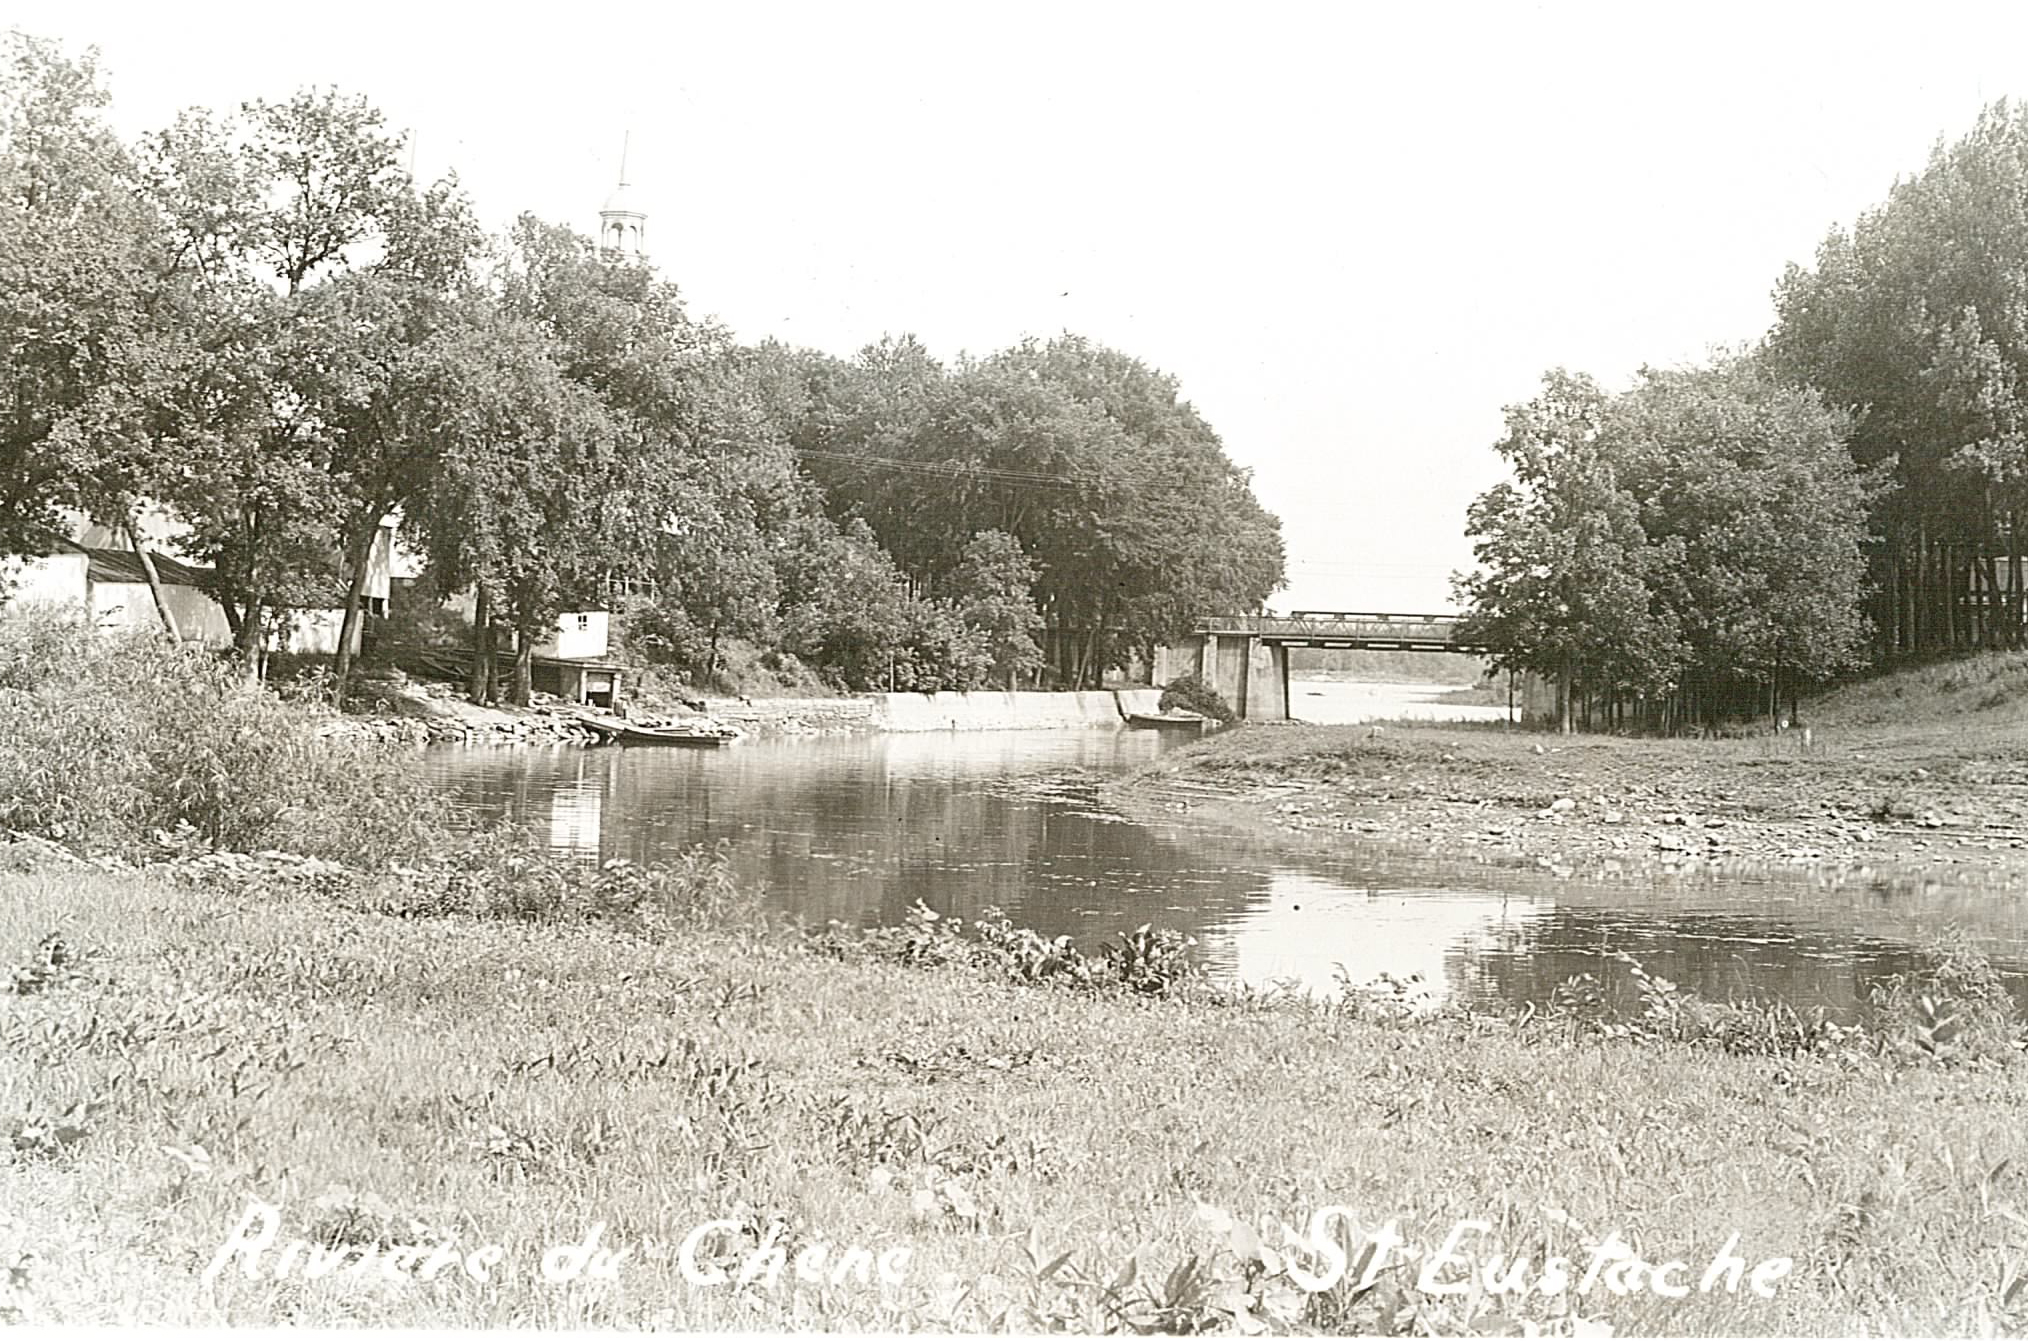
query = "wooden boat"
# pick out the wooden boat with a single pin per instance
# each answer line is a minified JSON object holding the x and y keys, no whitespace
{"x":1173,"y":717}
{"x":616,"y":731}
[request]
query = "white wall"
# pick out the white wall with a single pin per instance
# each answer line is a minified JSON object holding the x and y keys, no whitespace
{"x":55,"y":578}
{"x":315,"y":632}
{"x":130,"y":605}
{"x":579,"y":635}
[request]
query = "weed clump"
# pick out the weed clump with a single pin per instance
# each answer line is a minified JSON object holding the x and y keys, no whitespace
{"x":508,"y":874}
{"x":1953,"y":1007}
{"x":1147,"y":961}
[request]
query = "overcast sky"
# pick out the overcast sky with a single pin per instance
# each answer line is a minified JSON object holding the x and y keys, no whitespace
{"x":1353,"y":235}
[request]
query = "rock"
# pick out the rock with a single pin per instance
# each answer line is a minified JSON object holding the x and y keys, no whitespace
{"x":1538,"y":749}
{"x":1931,"y":820}
{"x":1562,"y":805}
{"x":1613,"y":817}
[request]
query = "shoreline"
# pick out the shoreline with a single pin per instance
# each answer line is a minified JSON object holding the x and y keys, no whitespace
{"x":501,"y":1080}
{"x":1925,"y":806}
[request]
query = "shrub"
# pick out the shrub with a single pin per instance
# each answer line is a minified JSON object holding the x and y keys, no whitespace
{"x":1149,"y":961}
{"x":106,"y":740}
{"x":1673,"y":1014}
{"x":509,"y":873}
{"x":1187,"y":691}
{"x":1953,"y":1007}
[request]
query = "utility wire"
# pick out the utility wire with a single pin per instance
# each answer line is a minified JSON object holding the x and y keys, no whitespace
{"x":953,"y":469}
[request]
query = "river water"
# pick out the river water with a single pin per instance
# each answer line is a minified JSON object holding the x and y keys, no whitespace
{"x":859,"y":828}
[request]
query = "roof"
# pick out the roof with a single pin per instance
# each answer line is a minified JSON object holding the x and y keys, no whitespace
{"x":120,"y":565}
{"x":619,"y":202}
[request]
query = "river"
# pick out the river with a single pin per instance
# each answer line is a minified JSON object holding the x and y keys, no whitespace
{"x":859,"y":828}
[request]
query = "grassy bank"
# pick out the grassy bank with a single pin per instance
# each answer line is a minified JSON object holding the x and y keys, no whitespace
{"x":393,"y":1080}
{"x":403,"y":1075}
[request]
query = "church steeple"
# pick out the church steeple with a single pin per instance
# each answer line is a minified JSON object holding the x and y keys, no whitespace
{"x":621,"y":226}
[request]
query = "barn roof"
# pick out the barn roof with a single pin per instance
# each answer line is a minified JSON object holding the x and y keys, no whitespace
{"x":120,"y":565}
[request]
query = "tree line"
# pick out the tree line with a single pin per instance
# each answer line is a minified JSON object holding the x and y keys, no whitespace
{"x":263,"y":325}
{"x":1848,"y":490}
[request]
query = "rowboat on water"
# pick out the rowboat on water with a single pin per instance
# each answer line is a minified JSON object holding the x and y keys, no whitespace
{"x":1173,"y":717}
{"x":615,"y":731}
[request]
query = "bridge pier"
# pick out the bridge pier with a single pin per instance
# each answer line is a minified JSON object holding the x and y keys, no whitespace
{"x":1251,"y":673}
{"x":1246,"y":657}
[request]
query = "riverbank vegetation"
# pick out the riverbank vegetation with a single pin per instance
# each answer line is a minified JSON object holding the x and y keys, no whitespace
{"x":441,"y":1037}
{"x":1716,"y":539}
{"x":258,"y":326}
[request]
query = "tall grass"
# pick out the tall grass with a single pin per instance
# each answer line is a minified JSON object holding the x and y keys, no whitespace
{"x":118,"y":743}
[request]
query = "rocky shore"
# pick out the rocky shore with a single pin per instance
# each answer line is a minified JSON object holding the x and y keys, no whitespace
{"x":412,"y":711}
{"x":1611,"y":805}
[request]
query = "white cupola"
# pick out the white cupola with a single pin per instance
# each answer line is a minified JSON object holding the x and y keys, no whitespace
{"x":622,"y":227}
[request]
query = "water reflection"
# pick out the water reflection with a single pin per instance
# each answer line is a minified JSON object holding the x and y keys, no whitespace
{"x":859,"y":828}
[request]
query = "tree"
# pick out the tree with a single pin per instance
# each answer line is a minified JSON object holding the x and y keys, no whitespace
{"x":1118,"y":492}
{"x":992,"y":591}
{"x":1568,"y":583}
{"x":1751,"y":480}
{"x":314,"y":271}
{"x":79,"y":265}
{"x":1916,"y":323}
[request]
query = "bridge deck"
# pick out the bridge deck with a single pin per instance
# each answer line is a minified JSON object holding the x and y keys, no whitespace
{"x":1331,"y":628}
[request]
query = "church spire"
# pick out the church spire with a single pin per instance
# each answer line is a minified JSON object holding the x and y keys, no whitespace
{"x":621,"y":226}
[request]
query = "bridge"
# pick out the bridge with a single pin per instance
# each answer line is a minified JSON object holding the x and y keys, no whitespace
{"x":1246,"y":657}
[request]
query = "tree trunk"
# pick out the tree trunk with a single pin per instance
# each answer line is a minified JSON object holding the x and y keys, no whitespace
{"x":1563,"y":694}
{"x":482,"y":646}
{"x":147,"y":562}
{"x":251,"y":625}
{"x":524,"y":664}
{"x":348,"y":627}
{"x":2014,"y":577}
{"x":1919,"y":595}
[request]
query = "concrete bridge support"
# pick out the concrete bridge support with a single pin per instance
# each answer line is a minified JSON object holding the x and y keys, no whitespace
{"x":1251,"y":673}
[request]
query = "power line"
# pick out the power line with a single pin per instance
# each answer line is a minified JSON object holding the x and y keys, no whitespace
{"x":954,"y":469}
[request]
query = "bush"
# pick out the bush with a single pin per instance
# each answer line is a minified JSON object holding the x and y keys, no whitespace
{"x":507,"y":873}
{"x":1953,"y":1007}
{"x":107,"y":741}
{"x":1147,"y":961}
{"x":1187,"y":691}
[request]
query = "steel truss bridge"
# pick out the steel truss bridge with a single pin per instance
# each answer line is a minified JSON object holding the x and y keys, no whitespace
{"x":1334,"y":628}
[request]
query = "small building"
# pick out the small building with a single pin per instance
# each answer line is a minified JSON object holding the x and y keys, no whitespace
{"x":111,"y":588}
{"x":107,"y":582}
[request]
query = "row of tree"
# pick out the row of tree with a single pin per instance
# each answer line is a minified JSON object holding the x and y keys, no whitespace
{"x":262,"y":325}
{"x":1682,"y":550}
{"x":1852,"y":488}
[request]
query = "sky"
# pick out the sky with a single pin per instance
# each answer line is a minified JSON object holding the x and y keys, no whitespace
{"x":1353,"y":234}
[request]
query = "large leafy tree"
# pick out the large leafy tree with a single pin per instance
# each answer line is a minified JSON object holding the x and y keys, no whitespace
{"x":82,"y":266}
{"x":1916,"y":322}
{"x":1569,"y":583}
{"x":992,"y":590}
{"x":1751,"y":481}
{"x":1117,"y":491}
{"x":1692,"y":545}
{"x":319,"y":279}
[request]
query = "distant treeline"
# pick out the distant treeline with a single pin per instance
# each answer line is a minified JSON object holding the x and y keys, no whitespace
{"x":261,"y":324}
{"x":1849,"y":490}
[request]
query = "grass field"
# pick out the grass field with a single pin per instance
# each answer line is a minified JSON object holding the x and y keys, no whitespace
{"x":385,"y":1081}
